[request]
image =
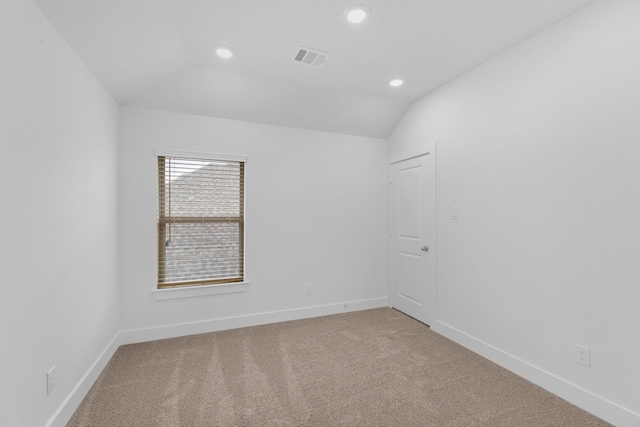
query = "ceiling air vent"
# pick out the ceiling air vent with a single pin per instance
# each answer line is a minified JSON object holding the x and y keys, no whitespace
{"x":310,"y":57}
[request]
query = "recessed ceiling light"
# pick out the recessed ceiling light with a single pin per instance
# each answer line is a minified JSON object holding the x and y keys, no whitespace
{"x":396,"y":82}
{"x":224,"y":52}
{"x":357,"y":13}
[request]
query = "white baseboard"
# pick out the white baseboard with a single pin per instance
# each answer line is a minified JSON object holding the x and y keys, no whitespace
{"x":71,"y":403}
{"x":590,"y":402}
{"x":183,"y":329}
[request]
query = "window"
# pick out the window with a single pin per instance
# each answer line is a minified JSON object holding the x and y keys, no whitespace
{"x":200,"y":221}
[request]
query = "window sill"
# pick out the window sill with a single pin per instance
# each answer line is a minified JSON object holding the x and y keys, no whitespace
{"x":199,"y":291}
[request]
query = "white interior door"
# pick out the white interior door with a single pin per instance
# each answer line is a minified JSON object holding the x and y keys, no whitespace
{"x":412,"y":234}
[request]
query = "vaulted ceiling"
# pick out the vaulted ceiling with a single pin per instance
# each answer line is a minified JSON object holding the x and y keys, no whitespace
{"x":158,"y":54}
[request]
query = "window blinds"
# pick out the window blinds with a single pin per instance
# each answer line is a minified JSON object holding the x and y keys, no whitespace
{"x":200,"y":221}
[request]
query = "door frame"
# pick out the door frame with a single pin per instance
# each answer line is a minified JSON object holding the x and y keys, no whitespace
{"x":430,"y":153}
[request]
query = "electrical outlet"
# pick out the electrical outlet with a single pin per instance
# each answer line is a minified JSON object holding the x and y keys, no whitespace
{"x":583,"y":355}
{"x":51,"y":380}
{"x":307,"y":289}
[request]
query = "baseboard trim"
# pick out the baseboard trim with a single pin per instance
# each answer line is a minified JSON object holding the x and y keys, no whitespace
{"x":62,"y":416}
{"x":178,"y":330}
{"x":590,"y":402}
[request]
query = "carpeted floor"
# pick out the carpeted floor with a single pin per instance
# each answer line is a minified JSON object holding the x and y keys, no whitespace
{"x":368,"y":368}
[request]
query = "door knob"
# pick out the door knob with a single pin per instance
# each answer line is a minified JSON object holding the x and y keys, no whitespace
{"x":425,"y":248}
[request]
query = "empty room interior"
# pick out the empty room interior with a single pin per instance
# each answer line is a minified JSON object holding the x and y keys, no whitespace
{"x":466,"y":168}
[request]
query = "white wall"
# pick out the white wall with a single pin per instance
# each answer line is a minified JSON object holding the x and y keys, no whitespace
{"x":539,"y":149}
{"x":315,"y":214}
{"x":58,"y":246}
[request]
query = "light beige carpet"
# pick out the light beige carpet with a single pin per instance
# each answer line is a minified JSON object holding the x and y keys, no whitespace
{"x":369,"y":368}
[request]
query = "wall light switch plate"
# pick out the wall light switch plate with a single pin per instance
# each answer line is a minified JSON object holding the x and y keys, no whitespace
{"x":454,"y":213}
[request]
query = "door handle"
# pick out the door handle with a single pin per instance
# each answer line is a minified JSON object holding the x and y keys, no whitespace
{"x":425,"y":249}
